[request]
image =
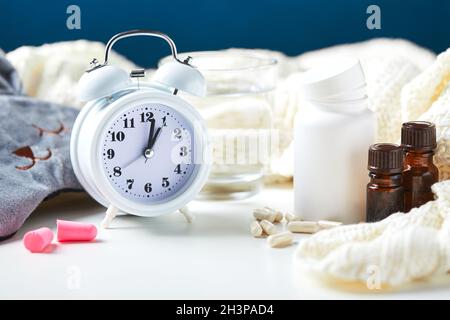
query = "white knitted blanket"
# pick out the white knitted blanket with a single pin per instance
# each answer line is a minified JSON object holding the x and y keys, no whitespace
{"x":427,"y":97}
{"x":51,"y":71}
{"x":394,"y":251}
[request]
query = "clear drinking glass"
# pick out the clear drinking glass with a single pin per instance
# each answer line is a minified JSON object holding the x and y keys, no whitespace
{"x":238,"y":112}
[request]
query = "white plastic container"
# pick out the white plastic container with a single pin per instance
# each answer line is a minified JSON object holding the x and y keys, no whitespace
{"x":333,"y":131}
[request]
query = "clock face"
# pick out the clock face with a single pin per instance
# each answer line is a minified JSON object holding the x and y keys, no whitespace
{"x":147,"y":152}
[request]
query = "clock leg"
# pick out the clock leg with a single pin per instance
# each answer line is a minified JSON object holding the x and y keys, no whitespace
{"x":187,"y":214}
{"x":111,"y":212}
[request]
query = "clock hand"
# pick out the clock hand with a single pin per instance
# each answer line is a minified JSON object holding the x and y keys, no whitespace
{"x":148,"y":152}
{"x":124,"y":167}
{"x":150,"y":138}
{"x":158,"y":131}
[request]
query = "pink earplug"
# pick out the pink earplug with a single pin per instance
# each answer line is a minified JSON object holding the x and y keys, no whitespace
{"x":75,"y":231}
{"x":38,"y":240}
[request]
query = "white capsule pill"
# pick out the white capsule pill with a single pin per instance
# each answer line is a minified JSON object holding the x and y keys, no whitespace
{"x":292,"y":217}
{"x":280,"y":240}
{"x":303,"y":226}
{"x":327,"y":224}
{"x":278,"y":215}
{"x":263,"y":214}
{"x":268,"y":227}
{"x":256,"y":229}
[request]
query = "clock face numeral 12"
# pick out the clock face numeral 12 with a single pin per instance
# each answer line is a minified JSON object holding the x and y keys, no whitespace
{"x":147,"y":152}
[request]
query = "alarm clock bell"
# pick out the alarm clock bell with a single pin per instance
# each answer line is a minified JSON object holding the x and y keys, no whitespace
{"x":102,"y":80}
{"x":181,"y":76}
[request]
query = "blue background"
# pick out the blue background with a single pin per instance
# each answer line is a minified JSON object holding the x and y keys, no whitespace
{"x":289,"y":26}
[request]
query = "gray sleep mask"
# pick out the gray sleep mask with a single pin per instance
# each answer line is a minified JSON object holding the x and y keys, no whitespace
{"x":34,"y":151}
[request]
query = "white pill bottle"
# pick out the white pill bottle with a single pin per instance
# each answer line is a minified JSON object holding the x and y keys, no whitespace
{"x":333,"y":131}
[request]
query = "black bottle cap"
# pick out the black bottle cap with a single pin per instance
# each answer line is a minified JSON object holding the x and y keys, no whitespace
{"x":385,"y":158}
{"x":419,"y":135}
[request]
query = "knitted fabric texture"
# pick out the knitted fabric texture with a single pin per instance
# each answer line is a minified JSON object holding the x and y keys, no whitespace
{"x":427,"y":97}
{"x":403,"y":247}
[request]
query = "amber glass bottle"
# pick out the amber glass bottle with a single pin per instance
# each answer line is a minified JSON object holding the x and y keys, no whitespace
{"x":385,"y":193}
{"x":418,"y":143}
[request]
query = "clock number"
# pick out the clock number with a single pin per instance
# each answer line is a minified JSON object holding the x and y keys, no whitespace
{"x":147,"y":116}
{"x":177,"y":134}
{"x":117,"y":171}
{"x":165,"y":182}
{"x":117,"y":136}
{"x":110,"y":153}
{"x":164,"y":121}
{"x":128,"y":123}
{"x":183,"y":151}
{"x":148,"y":187}
{"x":177,"y":169}
{"x":130,"y":183}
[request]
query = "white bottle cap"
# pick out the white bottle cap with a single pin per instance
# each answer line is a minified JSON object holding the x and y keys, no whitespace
{"x":333,"y":79}
{"x":349,"y":95}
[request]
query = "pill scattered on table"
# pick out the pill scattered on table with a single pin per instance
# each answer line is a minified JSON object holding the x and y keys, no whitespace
{"x":277,"y":215}
{"x":267,"y":217}
{"x":292,"y":217}
{"x":327,"y":224}
{"x":264,"y":214}
{"x":280,"y":240}
{"x":303,"y":226}
{"x":268,"y":227}
{"x":38,"y":240}
{"x":256,"y":229}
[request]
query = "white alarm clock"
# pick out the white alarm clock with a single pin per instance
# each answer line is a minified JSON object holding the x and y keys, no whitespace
{"x":137,"y":147}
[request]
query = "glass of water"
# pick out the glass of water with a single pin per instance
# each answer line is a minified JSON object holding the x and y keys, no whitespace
{"x":237,"y":109}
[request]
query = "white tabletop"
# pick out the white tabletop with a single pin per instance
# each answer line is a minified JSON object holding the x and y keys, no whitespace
{"x":165,"y":258}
